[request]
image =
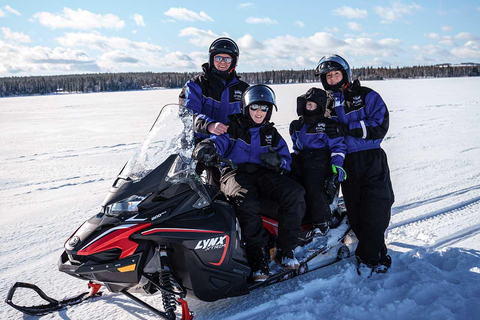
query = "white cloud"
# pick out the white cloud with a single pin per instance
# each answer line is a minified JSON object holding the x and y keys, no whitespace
{"x":351,"y":13}
{"x":334,"y":29}
{"x":432,"y":53}
{"x":299,"y":24}
{"x":434,"y":36}
{"x":17,"y":37}
{"x":11,"y":10}
{"x":2,"y":14}
{"x":21,"y":59}
{"x":117,"y":56}
{"x":470,"y":50}
{"x":465,"y":36}
{"x":94,"y":40}
{"x":78,"y":19}
{"x":245,"y":5}
{"x":198,"y":37}
{"x":377,"y":62}
{"x":288,"y":52}
{"x":256,"y":20}
{"x":446,"y":28}
{"x":124,"y":54}
{"x":397,"y":11}
{"x":354,"y":26}
{"x":187,"y":15}
{"x":139,"y":20}
{"x":248,"y":42}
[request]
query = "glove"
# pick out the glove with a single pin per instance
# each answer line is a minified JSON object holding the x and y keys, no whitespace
{"x":271,"y":159}
{"x":335,"y":130}
{"x":342,"y":175}
{"x":205,"y":152}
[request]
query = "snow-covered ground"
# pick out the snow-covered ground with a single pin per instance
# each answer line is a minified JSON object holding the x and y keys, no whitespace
{"x":59,"y":155}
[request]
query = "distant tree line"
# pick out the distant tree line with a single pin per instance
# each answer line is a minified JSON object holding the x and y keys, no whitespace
{"x":109,"y":82}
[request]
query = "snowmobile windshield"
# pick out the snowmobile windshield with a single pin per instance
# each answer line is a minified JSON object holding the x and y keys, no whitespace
{"x":172,"y":133}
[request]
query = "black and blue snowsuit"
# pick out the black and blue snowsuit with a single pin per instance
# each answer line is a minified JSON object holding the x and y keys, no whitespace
{"x":314,"y":154}
{"x":253,"y":181}
{"x":212,"y":99}
{"x":368,"y":191}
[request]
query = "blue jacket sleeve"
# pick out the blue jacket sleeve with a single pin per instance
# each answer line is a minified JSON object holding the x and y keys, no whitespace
{"x":223,"y":143}
{"x":293,"y":135}
{"x":282,"y":150}
{"x":375,"y":125}
{"x":192,"y":99}
{"x":338,"y":150}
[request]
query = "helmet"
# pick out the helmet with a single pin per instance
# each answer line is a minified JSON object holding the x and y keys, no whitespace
{"x":333,"y":62}
{"x":224,"y":45}
{"x":261,"y":94}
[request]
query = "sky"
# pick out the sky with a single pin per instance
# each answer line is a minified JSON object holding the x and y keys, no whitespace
{"x":70,"y":37}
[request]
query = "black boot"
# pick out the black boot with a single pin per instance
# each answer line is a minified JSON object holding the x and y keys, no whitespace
{"x":259,"y":258}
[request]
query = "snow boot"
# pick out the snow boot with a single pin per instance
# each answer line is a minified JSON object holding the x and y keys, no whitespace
{"x":320,"y":229}
{"x":383,"y":265}
{"x":259,"y":257}
{"x":287,"y":259}
{"x":366,"y":270}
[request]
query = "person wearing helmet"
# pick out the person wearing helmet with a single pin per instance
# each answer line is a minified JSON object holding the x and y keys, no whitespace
{"x":362,"y":119}
{"x":214,"y":95}
{"x":316,"y":157}
{"x":261,"y":156}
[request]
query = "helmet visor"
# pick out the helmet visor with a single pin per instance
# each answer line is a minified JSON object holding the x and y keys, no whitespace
{"x":331,"y":63}
{"x":259,"y":94}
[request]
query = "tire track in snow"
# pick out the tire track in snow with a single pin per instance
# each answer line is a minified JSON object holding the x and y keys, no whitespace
{"x":72,"y":153}
{"x":435,"y":213}
{"x":413,"y":205}
{"x":456,"y":237}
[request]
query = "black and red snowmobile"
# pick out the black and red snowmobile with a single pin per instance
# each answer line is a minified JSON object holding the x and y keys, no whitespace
{"x":160,"y":230}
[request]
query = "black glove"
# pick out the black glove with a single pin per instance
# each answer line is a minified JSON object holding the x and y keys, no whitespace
{"x":271,"y":159}
{"x":205,"y":152}
{"x":335,"y":130}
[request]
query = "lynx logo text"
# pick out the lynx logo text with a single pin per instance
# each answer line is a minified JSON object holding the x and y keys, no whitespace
{"x":211,"y":244}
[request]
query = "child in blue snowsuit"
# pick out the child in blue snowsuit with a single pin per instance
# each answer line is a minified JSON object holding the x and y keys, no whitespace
{"x":262,"y":155}
{"x":316,"y":156}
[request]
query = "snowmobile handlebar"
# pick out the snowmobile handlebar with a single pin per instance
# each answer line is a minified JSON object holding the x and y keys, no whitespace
{"x":216,"y":160}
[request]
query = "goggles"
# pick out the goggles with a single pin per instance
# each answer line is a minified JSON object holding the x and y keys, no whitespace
{"x":220,"y":59}
{"x":254,"y":107}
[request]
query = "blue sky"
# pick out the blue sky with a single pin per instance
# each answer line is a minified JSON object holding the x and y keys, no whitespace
{"x":65,"y":37}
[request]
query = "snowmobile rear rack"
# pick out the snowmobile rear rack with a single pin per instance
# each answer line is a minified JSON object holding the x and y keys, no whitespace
{"x":52,"y":305}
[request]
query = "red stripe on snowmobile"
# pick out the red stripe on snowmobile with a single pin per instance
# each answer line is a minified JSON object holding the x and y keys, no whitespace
{"x":116,"y":239}
{"x":146,"y":233}
{"x":271,"y":225}
{"x":227,"y":240}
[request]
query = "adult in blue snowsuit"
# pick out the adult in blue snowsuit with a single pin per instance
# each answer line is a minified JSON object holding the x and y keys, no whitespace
{"x":261,"y":155}
{"x":214,"y":95}
{"x":316,"y":156}
{"x":217,"y":92}
{"x":362,"y":119}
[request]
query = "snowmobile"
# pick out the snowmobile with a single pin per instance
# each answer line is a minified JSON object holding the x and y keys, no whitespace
{"x":160,"y":230}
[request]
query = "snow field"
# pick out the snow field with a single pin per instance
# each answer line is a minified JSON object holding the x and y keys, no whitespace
{"x":60,"y":154}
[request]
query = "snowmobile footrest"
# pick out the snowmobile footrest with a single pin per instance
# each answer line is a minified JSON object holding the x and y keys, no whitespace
{"x":163,"y":315}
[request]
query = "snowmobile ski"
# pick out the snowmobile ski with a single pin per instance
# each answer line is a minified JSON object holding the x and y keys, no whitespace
{"x":52,"y":305}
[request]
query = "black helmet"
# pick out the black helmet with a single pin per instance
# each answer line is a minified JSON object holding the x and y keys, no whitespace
{"x":333,"y":62}
{"x":224,"y":45}
{"x":260,"y":94}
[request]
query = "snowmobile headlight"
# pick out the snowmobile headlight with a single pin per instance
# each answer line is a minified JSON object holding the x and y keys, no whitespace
{"x":129,"y":204}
